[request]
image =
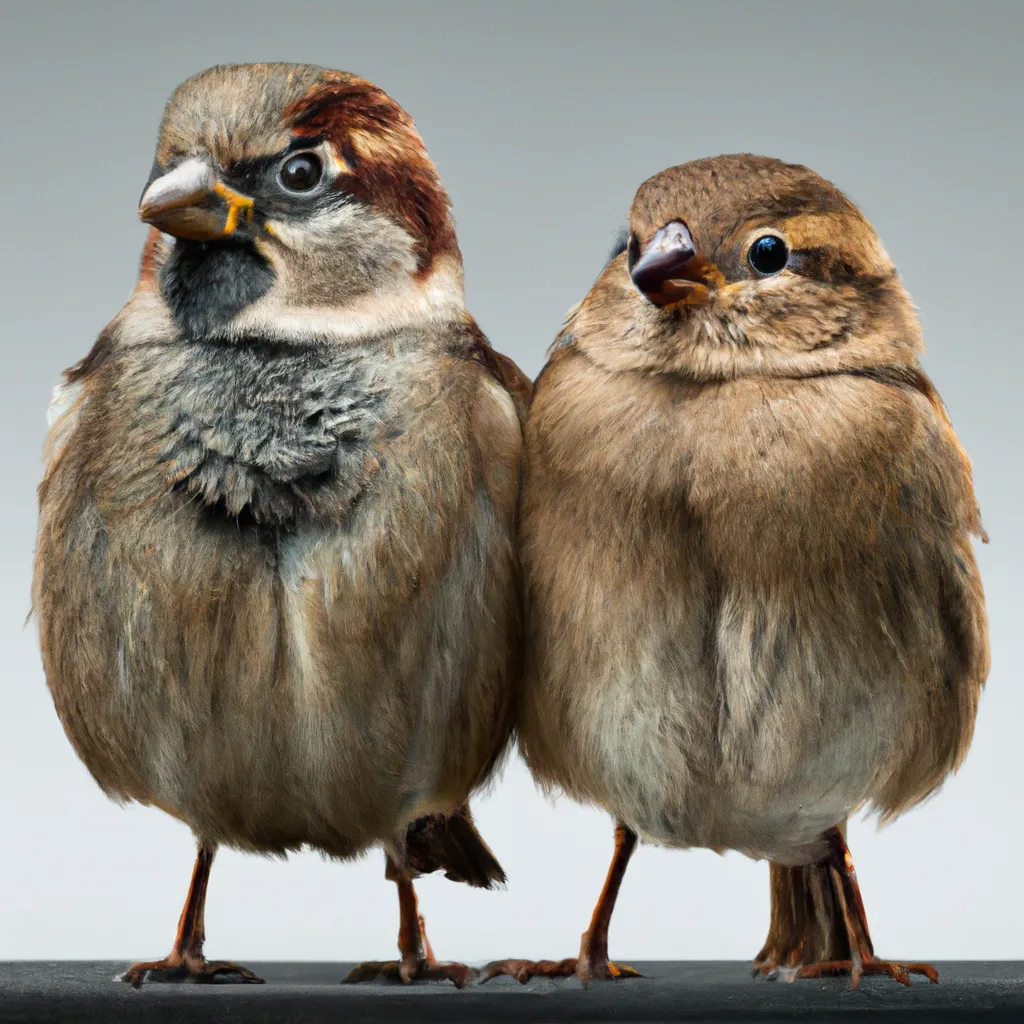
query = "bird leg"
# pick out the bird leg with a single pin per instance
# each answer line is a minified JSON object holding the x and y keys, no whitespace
{"x":417,"y":958}
{"x":592,"y":961}
{"x":185,"y":961}
{"x":818,"y":925}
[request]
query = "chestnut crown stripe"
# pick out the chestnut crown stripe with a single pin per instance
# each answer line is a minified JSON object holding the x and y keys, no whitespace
{"x":388,"y":166}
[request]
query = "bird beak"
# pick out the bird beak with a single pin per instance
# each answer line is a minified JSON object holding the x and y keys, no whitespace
{"x":190,"y":202}
{"x":669,"y":269}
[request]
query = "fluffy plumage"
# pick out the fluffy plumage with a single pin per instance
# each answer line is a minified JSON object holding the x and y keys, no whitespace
{"x":754,"y":606}
{"x":276,"y":579}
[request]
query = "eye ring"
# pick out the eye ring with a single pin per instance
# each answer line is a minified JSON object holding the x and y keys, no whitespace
{"x":301,"y":172}
{"x":768,"y":255}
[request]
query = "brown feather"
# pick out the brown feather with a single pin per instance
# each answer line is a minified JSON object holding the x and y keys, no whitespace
{"x":451,"y":843}
{"x":276,"y":578}
{"x":390,"y":167}
{"x":753,"y":601}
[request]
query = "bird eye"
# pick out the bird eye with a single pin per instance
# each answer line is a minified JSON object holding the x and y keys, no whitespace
{"x":768,"y":255}
{"x":301,"y":172}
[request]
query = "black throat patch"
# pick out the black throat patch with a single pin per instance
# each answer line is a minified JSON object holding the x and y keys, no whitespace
{"x":264,"y":432}
{"x":205,"y":284}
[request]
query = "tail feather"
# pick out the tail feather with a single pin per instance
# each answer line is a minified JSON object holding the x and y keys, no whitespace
{"x":451,"y":843}
{"x":807,"y":920}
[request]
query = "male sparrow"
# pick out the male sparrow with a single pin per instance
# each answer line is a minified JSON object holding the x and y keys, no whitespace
{"x":276,"y":579}
{"x":746,"y":535}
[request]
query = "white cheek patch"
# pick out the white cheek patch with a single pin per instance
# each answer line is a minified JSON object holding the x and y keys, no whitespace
{"x":324,"y":228}
{"x":439,"y":299}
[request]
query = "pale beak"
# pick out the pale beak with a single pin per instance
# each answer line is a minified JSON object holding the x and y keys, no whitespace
{"x":190,"y":202}
{"x":669,"y":269}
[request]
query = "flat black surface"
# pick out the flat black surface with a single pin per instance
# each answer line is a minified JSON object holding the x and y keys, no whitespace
{"x":696,"y":990}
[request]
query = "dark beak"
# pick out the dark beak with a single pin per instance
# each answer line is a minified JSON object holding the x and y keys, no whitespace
{"x":190,"y":202}
{"x":669,"y":269}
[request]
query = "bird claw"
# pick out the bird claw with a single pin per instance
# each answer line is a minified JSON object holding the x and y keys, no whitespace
{"x":408,"y":971}
{"x":772,"y":972}
{"x":896,"y":970}
{"x":185,"y":970}
{"x":606,"y":970}
{"x":773,"y":967}
{"x":586,"y":970}
{"x":524,"y":970}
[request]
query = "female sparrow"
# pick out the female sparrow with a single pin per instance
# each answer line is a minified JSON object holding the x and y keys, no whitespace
{"x":746,"y":533}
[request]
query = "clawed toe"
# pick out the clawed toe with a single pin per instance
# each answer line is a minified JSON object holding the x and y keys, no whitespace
{"x":623,"y":971}
{"x":896,"y":970}
{"x":405,"y":972}
{"x":819,"y":928}
{"x":604,"y":970}
{"x":775,"y":964}
{"x":524,"y":970}
{"x":189,"y":970}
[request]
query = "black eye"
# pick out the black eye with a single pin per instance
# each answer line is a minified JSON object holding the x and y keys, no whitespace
{"x":301,"y":172}
{"x":768,"y":255}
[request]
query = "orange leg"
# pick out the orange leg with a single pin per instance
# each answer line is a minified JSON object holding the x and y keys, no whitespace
{"x":592,"y":961}
{"x":818,"y":923}
{"x":417,"y":958}
{"x":185,"y":961}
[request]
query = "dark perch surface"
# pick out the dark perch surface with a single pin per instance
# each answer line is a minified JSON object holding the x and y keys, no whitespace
{"x":695,"y":990}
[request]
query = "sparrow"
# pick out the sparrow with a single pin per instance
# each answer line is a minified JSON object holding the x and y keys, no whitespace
{"x":753,"y":606}
{"x":276,"y":580}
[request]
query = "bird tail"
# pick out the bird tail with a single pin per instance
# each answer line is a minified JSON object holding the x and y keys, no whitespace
{"x":450,"y":843}
{"x":817,"y":911}
{"x":807,"y":920}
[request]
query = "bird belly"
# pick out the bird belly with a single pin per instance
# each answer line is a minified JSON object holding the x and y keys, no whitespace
{"x":256,"y":698}
{"x":784,"y":623}
{"x":736,"y":730}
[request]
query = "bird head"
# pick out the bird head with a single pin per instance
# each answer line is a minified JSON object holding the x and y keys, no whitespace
{"x":742,"y":265}
{"x":290,"y":192}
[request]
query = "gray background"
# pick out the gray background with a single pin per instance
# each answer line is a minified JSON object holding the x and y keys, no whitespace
{"x":543,"y":119}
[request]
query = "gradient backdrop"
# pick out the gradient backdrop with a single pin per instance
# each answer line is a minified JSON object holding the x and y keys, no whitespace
{"x":543,"y":118}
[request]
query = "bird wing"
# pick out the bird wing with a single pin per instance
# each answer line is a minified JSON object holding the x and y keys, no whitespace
{"x":504,"y":371}
{"x":947,"y":513}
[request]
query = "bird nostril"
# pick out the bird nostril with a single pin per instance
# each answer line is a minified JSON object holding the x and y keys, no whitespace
{"x":674,"y":235}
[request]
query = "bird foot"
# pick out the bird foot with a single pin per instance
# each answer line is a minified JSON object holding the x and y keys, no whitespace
{"x":819,"y":927}
{"x":897,"y":970}
{"x":585,"y":968}
{"x":409,"y":970}
{"x":789,"y":967}
{"x":188,"y":969}
{"x":773,"y":961}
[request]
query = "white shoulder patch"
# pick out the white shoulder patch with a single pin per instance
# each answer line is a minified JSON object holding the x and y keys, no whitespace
{"x":64,"y":396}
{"x":502,"y":398}
{"x":61,"y":417}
